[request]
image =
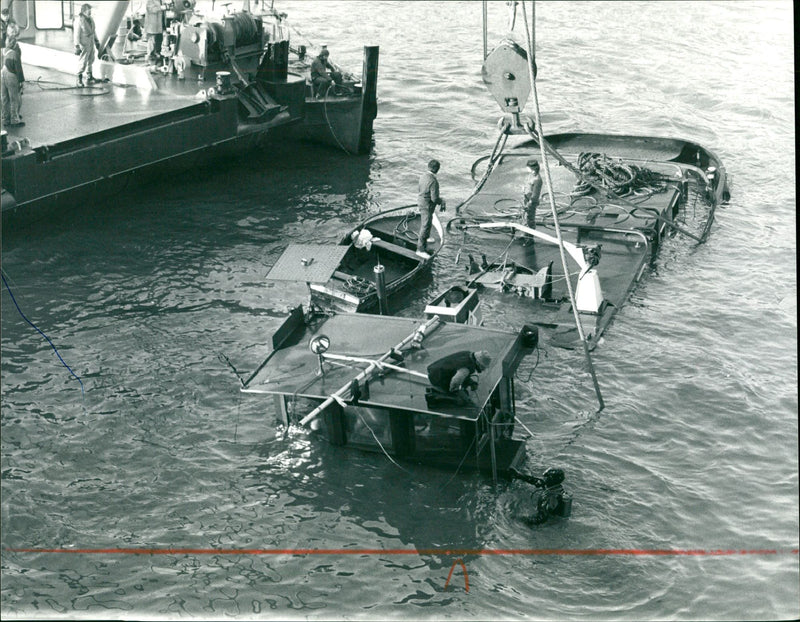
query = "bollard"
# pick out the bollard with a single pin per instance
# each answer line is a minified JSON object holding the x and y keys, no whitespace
{"x":380,"y":286}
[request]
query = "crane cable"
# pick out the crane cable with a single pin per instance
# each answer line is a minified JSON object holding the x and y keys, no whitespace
{"x":529,"y":37}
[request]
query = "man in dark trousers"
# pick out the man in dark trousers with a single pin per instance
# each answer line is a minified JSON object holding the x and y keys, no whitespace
{"x":427,"y":200}
{"x":323,"y":73}
{"x":11,"y":81}
{"x":452,"y":373}
{"x":531,"y":191}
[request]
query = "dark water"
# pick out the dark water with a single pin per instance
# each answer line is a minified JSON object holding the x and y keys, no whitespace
{"x":696,"y":449}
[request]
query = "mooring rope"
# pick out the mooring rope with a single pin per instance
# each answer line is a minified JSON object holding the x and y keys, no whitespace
{"x":100,"y":90}
{"x":392,"y":460}
{"x":460,"y":464}
{"x":52,"y":345}
{"x":328,"y":121}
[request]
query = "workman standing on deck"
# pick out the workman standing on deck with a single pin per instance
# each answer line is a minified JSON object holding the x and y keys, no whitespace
{"x":453,"y":373}
{"x":323,"y":73}
{"x":85,"y":39}
{"x":154,"y":28}
{"x":10,"y":76}
{"x":531,"y":191}
{"x":427,"y":200}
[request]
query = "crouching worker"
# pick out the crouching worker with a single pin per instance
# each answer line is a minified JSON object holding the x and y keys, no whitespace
{"x":452,"y":375}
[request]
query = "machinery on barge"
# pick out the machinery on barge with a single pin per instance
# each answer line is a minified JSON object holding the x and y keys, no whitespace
{"x":217,"y":82}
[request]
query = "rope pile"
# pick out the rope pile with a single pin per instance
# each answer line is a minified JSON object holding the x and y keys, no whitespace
{"x":623,"y":179}
{"x":359,"y":286}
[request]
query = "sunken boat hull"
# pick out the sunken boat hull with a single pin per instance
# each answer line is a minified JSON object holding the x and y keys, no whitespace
{"x":642,"y":190}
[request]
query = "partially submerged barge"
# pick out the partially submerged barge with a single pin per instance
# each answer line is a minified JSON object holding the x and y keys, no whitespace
{"x":609,"y":238}
{"x":223,"y":82}
{"x":607,"y":203}
{"x":361,"y":381}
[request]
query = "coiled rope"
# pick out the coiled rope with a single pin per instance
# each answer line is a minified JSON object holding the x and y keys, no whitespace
{"x":402,"y":230}
{"x":619,"y":177}
{"x":359,"y":286}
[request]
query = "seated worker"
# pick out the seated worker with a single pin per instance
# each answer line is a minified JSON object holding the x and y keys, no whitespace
{"x":323,"y":73}
{"x":135,"y":33}
{"x":452,"y":373}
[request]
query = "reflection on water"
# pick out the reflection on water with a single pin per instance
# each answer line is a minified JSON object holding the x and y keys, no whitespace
{"x":143,"y":288}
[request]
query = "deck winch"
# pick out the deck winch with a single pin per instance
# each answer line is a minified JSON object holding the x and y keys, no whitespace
{"x":207,"y":45}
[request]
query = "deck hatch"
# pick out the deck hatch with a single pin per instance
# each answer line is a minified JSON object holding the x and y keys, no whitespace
{"x":312,"y":263}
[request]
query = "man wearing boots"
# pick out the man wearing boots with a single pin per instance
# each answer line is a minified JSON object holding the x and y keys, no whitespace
{"x":427,"y":200}
{"x":154,"y":27}
{"x":85,"y":38}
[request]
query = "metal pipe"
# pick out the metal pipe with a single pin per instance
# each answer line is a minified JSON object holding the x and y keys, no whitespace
{"x":380,"y":288}
{"x":485,"y":26}
{"x":370,"y":370}
{"x":557,"y":227}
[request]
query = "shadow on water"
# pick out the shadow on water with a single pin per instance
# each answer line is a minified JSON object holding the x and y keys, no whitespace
{"x":276,"y":179}
{"x":369,"y":502}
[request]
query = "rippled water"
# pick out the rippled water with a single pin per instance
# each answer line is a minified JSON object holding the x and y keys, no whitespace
{"x":695,"y":450}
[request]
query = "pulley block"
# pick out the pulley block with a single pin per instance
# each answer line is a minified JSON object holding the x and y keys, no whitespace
{"x":505,"y":73}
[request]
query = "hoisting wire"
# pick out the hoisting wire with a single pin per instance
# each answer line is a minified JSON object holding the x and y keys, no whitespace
{"x":512,"y":14}
{"x":499,"y":145}
{"x":529,"y":39}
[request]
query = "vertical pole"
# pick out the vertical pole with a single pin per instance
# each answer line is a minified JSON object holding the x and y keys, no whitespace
{"x":380,"y":287}
{"x":280,"y":406}
{"x":369,"y":97}
{"x":485,"y":27}
{"x":540,"y":137}
{"x":494,"y":455}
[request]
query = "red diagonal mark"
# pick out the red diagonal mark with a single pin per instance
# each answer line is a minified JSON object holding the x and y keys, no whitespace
{"x":466,"y":576}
